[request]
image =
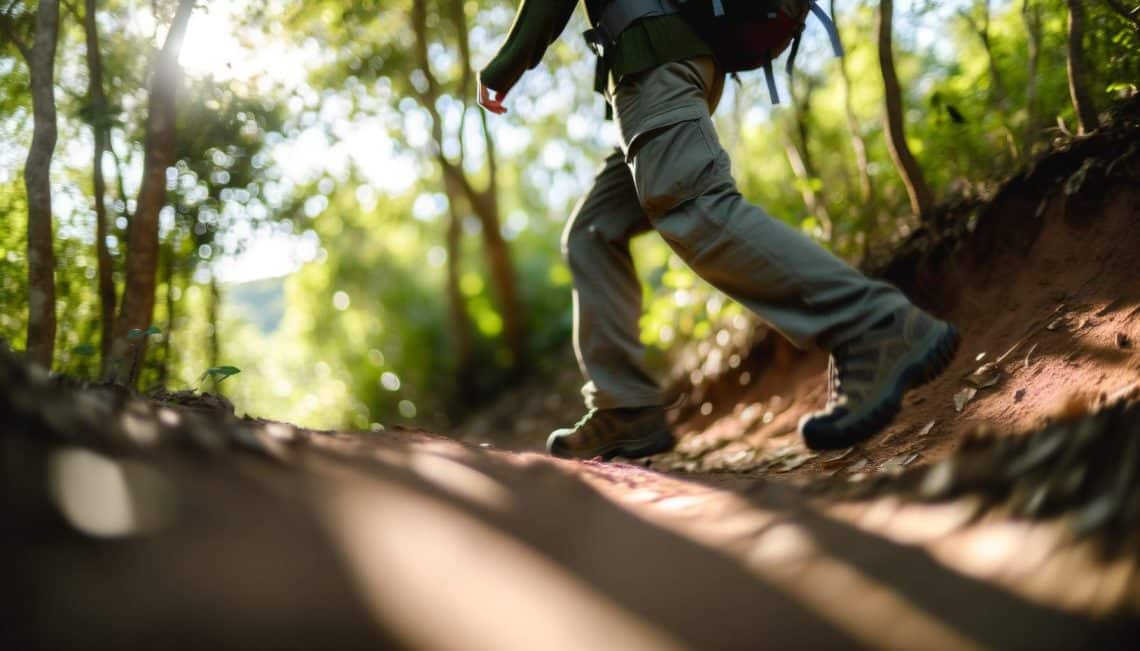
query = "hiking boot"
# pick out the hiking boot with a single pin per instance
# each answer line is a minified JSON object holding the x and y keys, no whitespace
{"x":866,"y":377}
{"x":629,"y":432}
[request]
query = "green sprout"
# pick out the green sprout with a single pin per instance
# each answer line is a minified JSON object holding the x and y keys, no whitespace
{"x":136,"y":339}
{"x":218,"y":373}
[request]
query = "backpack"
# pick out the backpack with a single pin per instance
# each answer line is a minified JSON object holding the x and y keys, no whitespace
{"x":743,"y":34}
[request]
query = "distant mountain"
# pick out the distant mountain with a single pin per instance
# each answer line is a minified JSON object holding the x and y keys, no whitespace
{"x":260,"y":302}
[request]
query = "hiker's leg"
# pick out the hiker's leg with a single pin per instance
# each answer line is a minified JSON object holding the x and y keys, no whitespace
{"x":607,"y":293}
{"x":683,"y":181}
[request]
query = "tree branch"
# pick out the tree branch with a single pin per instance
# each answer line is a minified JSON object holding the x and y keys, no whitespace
{"x":13,"y":38}
{"x":72,"y":9}
{"x":1132,"y":16}
{"x":460,"y":21}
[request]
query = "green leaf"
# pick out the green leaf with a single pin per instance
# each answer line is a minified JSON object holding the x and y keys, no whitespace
{"x":220,"y":373}
{"x":86,"y":350}
{"x":134,"y":333}
{"x":152,"y":330}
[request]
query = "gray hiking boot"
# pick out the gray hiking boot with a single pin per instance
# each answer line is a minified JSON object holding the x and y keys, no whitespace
{"x":629,"y":432}
{"x":867,"y":377}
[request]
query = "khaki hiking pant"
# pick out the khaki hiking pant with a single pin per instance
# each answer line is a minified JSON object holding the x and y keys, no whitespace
{"x":671,"y":175}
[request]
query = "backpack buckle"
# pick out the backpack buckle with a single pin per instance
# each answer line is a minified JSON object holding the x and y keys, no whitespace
{"x":597,"y":40}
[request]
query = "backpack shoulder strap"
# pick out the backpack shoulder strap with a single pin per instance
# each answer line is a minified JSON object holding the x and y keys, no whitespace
{"x":829,"y":25}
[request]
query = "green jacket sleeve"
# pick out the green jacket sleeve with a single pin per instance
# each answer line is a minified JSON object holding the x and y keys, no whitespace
{"x":537,"y":24}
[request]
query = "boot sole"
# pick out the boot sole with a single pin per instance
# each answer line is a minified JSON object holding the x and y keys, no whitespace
{"x":936,"y":359}
{"x":631,"y":448}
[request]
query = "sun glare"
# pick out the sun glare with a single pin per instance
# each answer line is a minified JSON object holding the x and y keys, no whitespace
{"x":218,"y":45}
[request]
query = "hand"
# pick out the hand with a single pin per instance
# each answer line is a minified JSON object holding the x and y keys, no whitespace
{"x":492,"y":100}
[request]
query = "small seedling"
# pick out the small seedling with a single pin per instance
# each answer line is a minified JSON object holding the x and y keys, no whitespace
{"x":218,"y":373}
{"x":136,"y":339}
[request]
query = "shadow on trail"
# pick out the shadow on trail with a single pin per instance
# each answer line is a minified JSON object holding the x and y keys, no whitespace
{"x":705,"y":598}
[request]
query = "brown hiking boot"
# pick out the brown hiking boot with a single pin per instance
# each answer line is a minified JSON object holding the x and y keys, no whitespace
{"x":867,"y":376}
{"x":629,"y":432}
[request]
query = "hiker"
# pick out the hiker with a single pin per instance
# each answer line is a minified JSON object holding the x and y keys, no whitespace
{"x":662,"y":81}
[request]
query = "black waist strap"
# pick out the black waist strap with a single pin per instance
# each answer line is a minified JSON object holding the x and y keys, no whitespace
{"x":620,"y":14}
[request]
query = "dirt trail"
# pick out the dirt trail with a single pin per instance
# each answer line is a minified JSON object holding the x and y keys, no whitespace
{"x":132,"y":523}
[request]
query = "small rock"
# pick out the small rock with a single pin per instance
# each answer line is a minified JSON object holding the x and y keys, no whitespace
{"x":1123,"y":341}
{"x":1018,"y":395}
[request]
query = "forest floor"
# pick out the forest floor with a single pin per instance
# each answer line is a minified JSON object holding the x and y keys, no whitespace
{"x":1001,"y":509}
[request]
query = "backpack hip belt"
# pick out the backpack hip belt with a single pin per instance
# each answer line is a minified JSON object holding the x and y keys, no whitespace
{"x":710,"y":18}
{"x":620,"y":14}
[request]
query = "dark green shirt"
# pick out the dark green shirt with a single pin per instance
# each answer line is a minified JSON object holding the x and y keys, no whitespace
{"x":647,"y":43}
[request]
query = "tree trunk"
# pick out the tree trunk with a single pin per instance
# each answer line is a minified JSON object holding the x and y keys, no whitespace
{"x":37,"y":183}
{"x":499,"y":259}
{"x":458,"y":320}
{"x":1031,"y":14}
{"x":483,"y":203}
{"x":137,"y":308}
{"x":921,"y":199}
{"x":213,"y":317}
{"x":1087,"y":119}
{"x":799,"y":157}
{"x":168,"y":330}
{"x":97,"y":106}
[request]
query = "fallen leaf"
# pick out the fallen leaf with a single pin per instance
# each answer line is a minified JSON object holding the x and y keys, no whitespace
{"x":962,"y":397}
{"x":985,"y":376}
{"x":834,"y":460}
{"x":795,"y":462}
{"x":893,"y":466}
{"x":939,"y":480}
{"x":1055,"y":324}
{"x":926,"y":428}
{"x":858,"y":465}
{"x":742,"y":456}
